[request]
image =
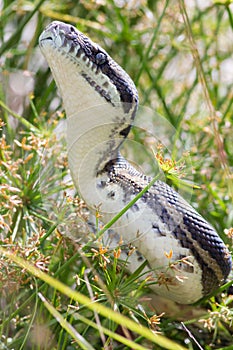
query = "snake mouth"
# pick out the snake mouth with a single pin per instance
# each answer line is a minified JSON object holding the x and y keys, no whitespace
{"x":52,"y":36}
{"x":47,"y":38}
{"x":43,"y":39}
{"x":67,"y":37}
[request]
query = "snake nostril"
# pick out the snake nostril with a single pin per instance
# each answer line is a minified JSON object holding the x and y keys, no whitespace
{"x":55,"y":25}
{"x":72,"y":29}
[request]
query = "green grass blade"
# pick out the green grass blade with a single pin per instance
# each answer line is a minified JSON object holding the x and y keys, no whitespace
{"x":94,"y":306}
{"x":13,"y":39}
{"x":131,"y":344}
{"x":66,"y":325}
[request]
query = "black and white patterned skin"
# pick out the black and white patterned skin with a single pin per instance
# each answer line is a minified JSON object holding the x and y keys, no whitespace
{"x":101,"y":101}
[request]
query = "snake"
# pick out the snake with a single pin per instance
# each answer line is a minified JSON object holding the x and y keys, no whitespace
{"x":186,"y":257}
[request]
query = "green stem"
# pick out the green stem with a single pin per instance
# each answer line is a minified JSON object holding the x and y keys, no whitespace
{"x":230,"y":15}
{"x":13,"y":39}
{"x":146,"y":56}
{"x":22,"y":120}
{"x":43,"y":238}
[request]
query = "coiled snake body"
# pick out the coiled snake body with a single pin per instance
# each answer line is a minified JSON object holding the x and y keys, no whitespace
{"x":100,"y":101}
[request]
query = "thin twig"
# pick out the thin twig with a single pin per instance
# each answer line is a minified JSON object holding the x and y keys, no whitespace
{"x":97,"y":318}
{"x":191,"y":336}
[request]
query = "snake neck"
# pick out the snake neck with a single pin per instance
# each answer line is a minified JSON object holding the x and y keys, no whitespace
{"x":89,"y":154}
{"x":100,"y":106}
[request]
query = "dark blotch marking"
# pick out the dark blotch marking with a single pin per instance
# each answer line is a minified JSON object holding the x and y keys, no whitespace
{"x":185,"y":267}
{"x":125,"y":131}
{"x":98,"y":88}
{"x":101,"y":184}
{"x":135,"y":207}
{"x":111,"y":194}
{"x":158,"y":231}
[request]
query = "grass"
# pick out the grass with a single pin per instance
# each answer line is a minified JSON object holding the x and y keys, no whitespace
{"x":57,"y":291}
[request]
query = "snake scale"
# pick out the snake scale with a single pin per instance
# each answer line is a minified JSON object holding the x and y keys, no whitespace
{"x":101,"y":101}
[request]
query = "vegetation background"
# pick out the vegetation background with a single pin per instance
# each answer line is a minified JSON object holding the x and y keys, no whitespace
{"x":180,"y":56}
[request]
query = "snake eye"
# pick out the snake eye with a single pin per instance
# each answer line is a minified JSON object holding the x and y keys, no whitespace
{"x":100,"y":58}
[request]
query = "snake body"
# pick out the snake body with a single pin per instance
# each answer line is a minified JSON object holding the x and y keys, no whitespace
{"x":100,"y":101}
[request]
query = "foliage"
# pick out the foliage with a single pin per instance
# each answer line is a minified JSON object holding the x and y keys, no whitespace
{"x":180,"y":57}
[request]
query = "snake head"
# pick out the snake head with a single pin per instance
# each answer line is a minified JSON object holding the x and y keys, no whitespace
{"x":93,"y":60}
